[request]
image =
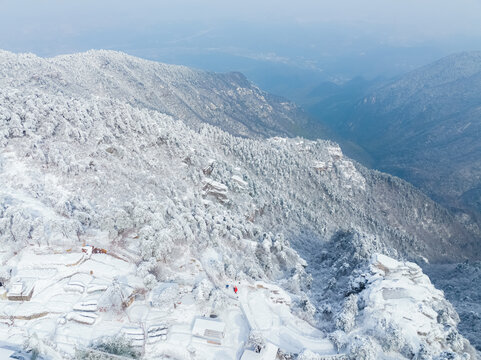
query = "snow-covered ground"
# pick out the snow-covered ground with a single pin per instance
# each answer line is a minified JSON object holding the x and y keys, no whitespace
{"x":80,"y":297}
{"x":67,"y":310}
{"x":266,"y":308}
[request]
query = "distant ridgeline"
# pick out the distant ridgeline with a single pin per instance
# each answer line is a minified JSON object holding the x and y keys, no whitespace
{"x":423,"y":127}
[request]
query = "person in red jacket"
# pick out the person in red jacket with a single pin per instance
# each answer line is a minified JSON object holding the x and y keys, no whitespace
{"x":235,"y":289}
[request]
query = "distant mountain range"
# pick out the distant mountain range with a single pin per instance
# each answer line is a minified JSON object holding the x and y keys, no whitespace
{"x":424,"y":127}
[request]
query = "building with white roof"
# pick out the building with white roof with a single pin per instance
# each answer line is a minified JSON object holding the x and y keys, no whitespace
{"x":211,"y":330}
{"x":20,"y":290}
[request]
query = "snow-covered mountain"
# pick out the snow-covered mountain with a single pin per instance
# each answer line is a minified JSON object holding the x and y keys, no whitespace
{"x":425,"y":127}
{"x":183,"y":208}
{"x":228,"y":101}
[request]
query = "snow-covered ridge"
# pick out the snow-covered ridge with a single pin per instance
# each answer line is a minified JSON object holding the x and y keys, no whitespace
{"x":229,"y":101}
{"x":403,"y":312}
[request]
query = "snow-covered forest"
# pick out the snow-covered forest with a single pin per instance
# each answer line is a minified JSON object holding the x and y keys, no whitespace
{"x":92,"y":152}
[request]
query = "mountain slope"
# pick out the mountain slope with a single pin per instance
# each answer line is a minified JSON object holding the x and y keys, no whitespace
{"x":297,"y":184}
{"x":425,"y":127}
{"x":229,"y":101}
{"x":201,"y":208}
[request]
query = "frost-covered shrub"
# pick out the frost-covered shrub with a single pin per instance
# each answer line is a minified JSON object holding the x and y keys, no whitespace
{"x":283,"y":355}
{"x":112,"y":299}
{"x":220,"y":301}
{"x":455,"y":340}
{"x":230,"y":271}
{"x":101,"y":348}
{"x":202,"y":290}
{"x":263,"y":254}
{"x":389,"y":336}
{"x":275,"y":256}
{"x":326,"y":314}
{"x":309,"y":355}
{"x":155,"y":242}
{"x":33,"y":345}
{"x":256,"y":341}
{"x":114,"y":222}
{"x":5,"y":274}
{"x":150,"y":281}
{"x":448,"y":355}
{"x":362,"y":348}
{"x":446,"y":313}
{"x":357,"y":283}
{"x":21,"y":226}
{"x":147,"y":267}
{"x":339,"y":339}
{"x":299,"y":280}
{"x":423,"y":353}
{"x":305,"y":309}
{"x":346,"y":319}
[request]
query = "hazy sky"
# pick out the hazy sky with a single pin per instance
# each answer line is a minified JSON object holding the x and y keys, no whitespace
{"x":29,"y":21}
{"x":336,"y":37}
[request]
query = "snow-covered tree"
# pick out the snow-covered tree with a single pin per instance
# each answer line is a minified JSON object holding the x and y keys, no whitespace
{"x":346,"y":319}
